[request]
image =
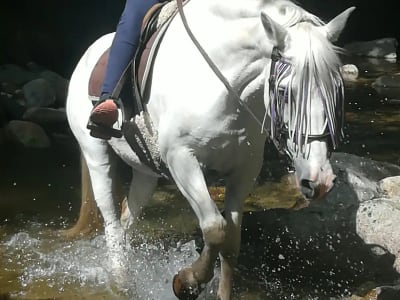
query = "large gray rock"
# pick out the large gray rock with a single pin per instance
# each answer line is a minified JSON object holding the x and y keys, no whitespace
{"x":390,"y":187}
{"x":53,"y":120}
{"x":58,"y":83}
{"x":28,"y":134}
{"x":378,"y":219}
{"x":45,"y":115}
{"x":13,"y":108}
{"x":39,"y":93}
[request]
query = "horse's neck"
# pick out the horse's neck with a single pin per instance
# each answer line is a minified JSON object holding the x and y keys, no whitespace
{"x":234,"y":9}
{"x":238,"y":9}
{"x":234,"y":37}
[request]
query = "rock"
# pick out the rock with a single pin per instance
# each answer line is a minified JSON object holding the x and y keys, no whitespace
{"x":378,"y":223}
{"x":373,"y":64}
{"x":360,"y":174}
{"x":8,"y":87}
{"x":383,"y":48}
{"x":27,"y":133}
{"x":34,"y":67}
{"x":388,"y":86}
{"x":378,"y":219}
{"x":39,"y":93}
{"x":15,"y":75}
{"x":391,"y":95}
{"x":388,"y":292}
{"x":3,"y":118}
{"x":59,"y":84}
{"x":349,"y":72}
{"x":13,"y":108}
{"x":386,"y":81}
{"x":390,"y":186}
{"x":3,"y":136}
{"x":45,"y":115}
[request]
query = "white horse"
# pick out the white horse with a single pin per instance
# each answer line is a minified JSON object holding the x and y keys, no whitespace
{"x":280,"y":61}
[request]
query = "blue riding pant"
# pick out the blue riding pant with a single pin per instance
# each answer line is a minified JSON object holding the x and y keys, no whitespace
{"x":125,"y":42}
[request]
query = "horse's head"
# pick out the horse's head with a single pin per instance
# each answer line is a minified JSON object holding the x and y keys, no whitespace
{"x":304,"y":93}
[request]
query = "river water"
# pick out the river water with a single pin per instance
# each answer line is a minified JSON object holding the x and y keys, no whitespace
{"x":40,"y":194}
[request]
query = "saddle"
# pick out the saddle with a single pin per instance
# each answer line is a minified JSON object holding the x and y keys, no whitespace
{"x":137,"y":127}
{"x":139,"y":68}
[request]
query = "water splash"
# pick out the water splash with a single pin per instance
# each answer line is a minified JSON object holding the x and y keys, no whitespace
{"x":48,"y":260}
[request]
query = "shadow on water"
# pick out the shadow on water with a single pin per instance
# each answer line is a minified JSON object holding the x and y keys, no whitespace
{"x":40,"y":182}
{"x":40,"y":192}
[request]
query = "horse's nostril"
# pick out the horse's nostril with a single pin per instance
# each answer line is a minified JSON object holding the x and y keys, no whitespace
{"x":309,"y":184}
{"x":308,"y":188}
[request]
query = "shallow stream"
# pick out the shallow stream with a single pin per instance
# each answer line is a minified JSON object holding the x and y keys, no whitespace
{"x":40,"y":194}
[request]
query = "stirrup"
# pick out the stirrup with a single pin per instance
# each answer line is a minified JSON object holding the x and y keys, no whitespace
{"x":105,"y":132}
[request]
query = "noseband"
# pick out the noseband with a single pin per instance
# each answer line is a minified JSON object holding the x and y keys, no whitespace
{"x":281,"y":68}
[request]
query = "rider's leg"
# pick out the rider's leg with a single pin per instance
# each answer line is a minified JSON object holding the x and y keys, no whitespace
{"x":122,"y":49}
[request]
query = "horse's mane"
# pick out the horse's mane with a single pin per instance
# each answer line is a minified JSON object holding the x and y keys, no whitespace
{"x":316,"y":62}
{"x":288,"y":13}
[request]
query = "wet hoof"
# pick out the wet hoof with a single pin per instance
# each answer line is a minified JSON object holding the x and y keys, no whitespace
{"x":185,"y":286}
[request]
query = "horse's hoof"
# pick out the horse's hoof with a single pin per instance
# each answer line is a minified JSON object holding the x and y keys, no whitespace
{"x":183,"y":289}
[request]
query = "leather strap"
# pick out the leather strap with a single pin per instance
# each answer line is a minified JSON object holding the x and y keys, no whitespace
{"x":214,"y":67}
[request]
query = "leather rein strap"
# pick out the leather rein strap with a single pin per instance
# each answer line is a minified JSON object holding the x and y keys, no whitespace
{"x":214,"y":67}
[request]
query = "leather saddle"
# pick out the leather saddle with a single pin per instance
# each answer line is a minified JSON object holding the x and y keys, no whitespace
{"x":140,"y":66}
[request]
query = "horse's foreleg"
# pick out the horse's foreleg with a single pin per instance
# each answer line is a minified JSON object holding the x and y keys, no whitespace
{"x":189,"y":178}
{"x":141,"y":189}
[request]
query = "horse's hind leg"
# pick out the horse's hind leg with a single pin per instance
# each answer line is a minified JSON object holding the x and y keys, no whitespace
{"x":141,"y":189}
{"x":238,"y":186}
{"x":99,"y":161}
{"x":89,"y":219}
{"x":189,"y":178}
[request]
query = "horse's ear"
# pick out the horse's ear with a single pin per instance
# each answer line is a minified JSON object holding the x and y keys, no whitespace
{"x":334,"y":28}
{"x":275,"y":32}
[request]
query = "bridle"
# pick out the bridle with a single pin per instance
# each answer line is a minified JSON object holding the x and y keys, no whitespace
{"x":281,"y":133}
{"x":279,"y":129}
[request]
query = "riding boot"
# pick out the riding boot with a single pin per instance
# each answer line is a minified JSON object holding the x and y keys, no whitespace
{"x":105,"y":112}
{"x":103,"y":116}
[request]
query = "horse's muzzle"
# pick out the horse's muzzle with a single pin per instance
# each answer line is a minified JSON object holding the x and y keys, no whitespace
{"x":312,"y":190}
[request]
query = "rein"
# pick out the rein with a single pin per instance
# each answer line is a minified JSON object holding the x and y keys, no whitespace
{"x":215,"y":68}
